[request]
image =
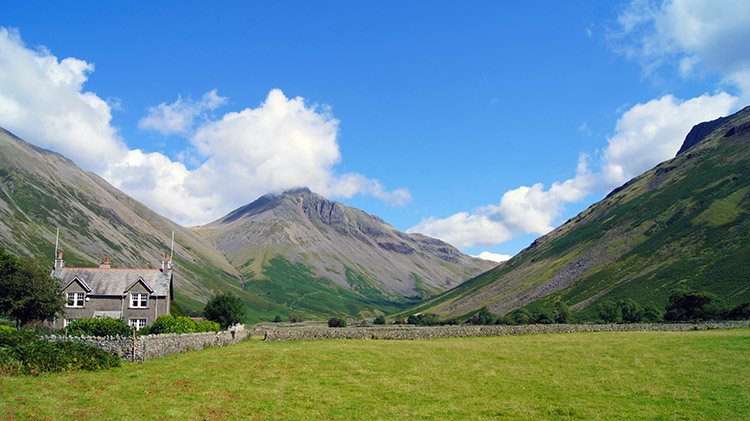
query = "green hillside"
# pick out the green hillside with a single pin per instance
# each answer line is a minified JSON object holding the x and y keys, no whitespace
{"x":684,"y":225}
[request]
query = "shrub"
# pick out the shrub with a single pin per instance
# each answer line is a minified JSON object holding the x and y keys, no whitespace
{"x":399,"y":320}
{"x":741,"y":312}
{"x":207,"y":326}
{"x":380,"y":320}
{"x":693,"y":306}
{"x":337,"y":322}
{"x":651,"y":314}
{"x":630,"y":311}
{"x":561,"y":313}
{"x":171,"y":324}
{"x":424,"y":319}
{"x":225,"y":309}
{"x":451,"y":321}
{"x":483,"y":317}
{"x":522,"y":317}
{"x":295,"y":318}
{"x":98,"y":327}
{"x":609,"y":312}
{"x":24,"y":353}
{"x":277,"y":319}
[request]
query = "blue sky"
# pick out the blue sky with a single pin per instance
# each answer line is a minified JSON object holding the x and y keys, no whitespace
{"x":485,"y":124}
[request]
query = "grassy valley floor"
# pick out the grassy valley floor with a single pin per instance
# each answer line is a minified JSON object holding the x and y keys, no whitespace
{"x":655,"y":375}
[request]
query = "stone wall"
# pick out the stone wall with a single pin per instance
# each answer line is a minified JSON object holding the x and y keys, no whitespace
{"x":141,"y":348}
{"x":414,"y":332}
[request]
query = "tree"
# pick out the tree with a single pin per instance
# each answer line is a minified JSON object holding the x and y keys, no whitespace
{"x":225,"y":309}
{"x":630,"y":310}
{"x":689,"y":306}
{"x":609,"y":312}
{"x":561,"y":312}
{"x":483,"y":317}
{"x":27,"y":291}
{"x":521,"y":317}
{"x":651,"y":313}
{"x":380,"y":320}
{"x":277,"y":319}
{"x":337,"y":322}
{"x":543,"y":316}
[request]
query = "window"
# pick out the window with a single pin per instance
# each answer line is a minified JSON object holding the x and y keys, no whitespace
{"x":138,"y":324}
{"x":66,"y":322}
{"x":138,"y":300}
{"x":75,"y":299}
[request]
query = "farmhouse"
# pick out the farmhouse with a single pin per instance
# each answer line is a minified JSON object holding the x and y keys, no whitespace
{"x":137,"y":296}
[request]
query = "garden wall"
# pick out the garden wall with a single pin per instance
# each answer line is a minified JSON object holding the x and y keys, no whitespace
{"x":431,"y":332}
{"x":141,"y":348}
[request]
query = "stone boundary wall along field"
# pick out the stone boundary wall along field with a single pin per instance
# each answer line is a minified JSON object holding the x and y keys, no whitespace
{"x":432,"y":332}
{"x":141,"y":348}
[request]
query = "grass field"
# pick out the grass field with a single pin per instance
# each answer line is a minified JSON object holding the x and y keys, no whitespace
{"x":654,"y":375}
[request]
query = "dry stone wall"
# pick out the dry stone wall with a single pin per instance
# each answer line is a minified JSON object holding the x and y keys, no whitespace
{"x":141,"y":348}
{"x":432,"y":332}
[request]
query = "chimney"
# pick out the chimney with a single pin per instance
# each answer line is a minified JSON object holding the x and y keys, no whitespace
{"x":166,"y":264}
{"x":59,"y":262}
{"x":106,"y":264}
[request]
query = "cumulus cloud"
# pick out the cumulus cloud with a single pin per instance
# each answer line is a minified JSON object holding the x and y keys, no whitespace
{"x":494,"y":257}
{"x":645,"y":135}
{"x":653,"y":132}
{"x":42,"y":98}
{"x":178,"y":117}
{"x":690,"y":36}
{"x":281,"y":144}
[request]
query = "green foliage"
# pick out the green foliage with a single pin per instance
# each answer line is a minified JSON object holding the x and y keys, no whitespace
{"x":171,"y":324}
{"x":651,"y":314}
{"x":521,"y":317}
{"x":22,"y":352}
{"x":225,"y":309}
{"x":740,"y":312}
{"x":277,"y":319}
{"x":543,"y":316}
{"x":609,"y":312}
{"x":206,"y":326}
{"x":399,"y":320}
{"x":562,"y":313}
{"x":483,"y":317}
{"x":27,"y":292}
{"x":98,"y":327}
{"x":380,"y":320}
{"x":424,"y":319}
{"x":176,"y":309}
{"x":693,"y":306}
{"x":337,"y":322}
{"x":630,"y":311}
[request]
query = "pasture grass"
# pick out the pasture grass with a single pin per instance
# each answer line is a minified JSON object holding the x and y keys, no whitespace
{"x":607,"y":375}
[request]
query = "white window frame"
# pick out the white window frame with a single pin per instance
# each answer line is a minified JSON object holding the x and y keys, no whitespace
{"x":66,"y":322}
{"x":138,"y":300}
{"x":76,"y":298}
{"x":138,"y":324}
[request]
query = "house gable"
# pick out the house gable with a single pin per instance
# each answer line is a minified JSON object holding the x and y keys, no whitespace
{"x":77,"y":285}
{"x":139,"y":286}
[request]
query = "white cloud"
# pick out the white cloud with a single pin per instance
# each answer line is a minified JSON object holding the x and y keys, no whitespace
{"x":494,"y":257}
{"x":281,"y":144}
{"x":178,"y":116}
{"x":653,"y":132}
{"x":464,"y":230}
{"x":42,"y":99}
{"x":693,"y":36}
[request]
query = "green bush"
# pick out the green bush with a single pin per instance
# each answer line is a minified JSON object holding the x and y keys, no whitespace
{"x":693,"y":306}
{"x":277,"y":319}
{"x":207,"y":326}
{"x":22,"y":352}
{"x":741,"y":312}
{"x":630,"y":311}
{"x":609,"y":312}
{"x":521,"y":317}
{"x":380,"y":320}
{"x":561,"y":312}
{"x":424,"y":319}
{"x":337,"y":322}
{"x":543,"y":316}
{"x":399,"y":320}
{"x":171,"y":324}
{"x":651,"y":314}
{"x":295,"y":318}
{"x":98,"y":327}
{"x":483,"y":317}
{"x":504,"y":320}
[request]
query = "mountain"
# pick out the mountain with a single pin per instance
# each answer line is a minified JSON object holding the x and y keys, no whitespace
{"x":41,"y":191}
{"x":311,"y":253}
{"x":685,"y":224}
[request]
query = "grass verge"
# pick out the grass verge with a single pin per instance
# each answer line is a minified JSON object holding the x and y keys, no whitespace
{"x":693,"y":375}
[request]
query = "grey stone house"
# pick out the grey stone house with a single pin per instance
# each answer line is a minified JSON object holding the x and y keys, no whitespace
{"x":137,"y":296}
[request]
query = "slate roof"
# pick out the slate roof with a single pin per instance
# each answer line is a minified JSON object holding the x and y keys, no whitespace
{"x":107,"y":281}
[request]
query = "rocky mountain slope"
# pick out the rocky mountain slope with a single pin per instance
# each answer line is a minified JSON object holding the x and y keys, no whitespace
{"x":685,"y":224}
{"x":345,"y":249}
{"x":41,"y":191}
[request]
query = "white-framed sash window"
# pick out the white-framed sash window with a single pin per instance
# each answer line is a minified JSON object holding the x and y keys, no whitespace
{"x":75,"y":299}
{"x":138,"y":300}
